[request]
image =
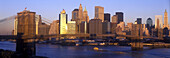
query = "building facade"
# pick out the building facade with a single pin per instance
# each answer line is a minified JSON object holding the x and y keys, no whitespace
{"x":63,"y":22}
{"x":158,"y":17}
{"x":107,"y":17}
{"x":120,"y":16}
{"x":99,"y":13}
{"x":115,"y":19}
{"x":166,"y":19}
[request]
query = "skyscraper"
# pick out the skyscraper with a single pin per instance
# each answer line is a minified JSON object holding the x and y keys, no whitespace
{"x":160,"y":21}
{"x":139,"y":20}
{"x":95,"y":26}
{"x":54,"y":27}
{"x":120,"y":16}
{"x":80,"y":14}
{"x":99,"y":13}
{"x":149,"y":22}
{"x":85,"y":15}
{"x":75,"y":13}
{"x":71,"y":27}
{"x":166,"y":19}
{"x":107,"y":17}
{"x":63,"y":22}
{"x":115,"y":19}
{"x":15,"y":25}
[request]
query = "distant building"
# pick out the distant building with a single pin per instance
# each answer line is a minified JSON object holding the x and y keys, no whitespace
{"x":159,"y":17}
{"x":63,"y":22}
{"x":149,"y":22}
{"x":80,"y":13}
{"x":113,"y":27}
{"x":71,"y":27}
{"x":43,"y":29}
{"x":75,"y":14}
{"x":106,"y":27}
{"x":120,"y":16}
{"x":84,"y":27}
{"x":121,"y":25}
{"x":115,"y":19}
{"x":130,"y":25}
{"x":107,"y":17}
{"x":99,"y":13}
{"x":54,"y":27}
{"x":38,"y":22}
{"x":139,"y":20}
{"x":95,"y":26}
{"x":15,"y":25}
{"x":166,"y":19}
{"x":85,"y":15}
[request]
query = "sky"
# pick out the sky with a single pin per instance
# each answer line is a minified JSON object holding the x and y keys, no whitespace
{"x":51,"y":9}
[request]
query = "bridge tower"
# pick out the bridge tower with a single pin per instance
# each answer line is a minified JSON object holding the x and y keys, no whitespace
{"x":26,"y":30}
{"x":137,"y":43}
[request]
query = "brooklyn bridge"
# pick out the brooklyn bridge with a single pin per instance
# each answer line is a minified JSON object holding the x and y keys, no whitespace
{"x":26,"y":34}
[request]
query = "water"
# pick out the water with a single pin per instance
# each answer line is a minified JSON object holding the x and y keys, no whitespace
{"x":57,"y":51}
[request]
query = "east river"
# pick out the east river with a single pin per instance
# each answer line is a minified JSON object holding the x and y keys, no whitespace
{"x":57,"y":51}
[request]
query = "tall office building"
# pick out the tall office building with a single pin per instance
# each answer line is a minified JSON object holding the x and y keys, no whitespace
{"x":71,"y":27}
{"x":84,"y":27}
{"x":107,"y":17}
{"x":115,"y":19}
{"x":15,"y":25}
{"x":106,"y":27}
{"x":43,"y":29}
{"x":75,"y":13}
{"x":95,"y":26}
{"x":38,"y":22}
{"x":63,"y":22}
{"x":160,"y":21}
{"x":99,"y":13}
{"x":120,"y":16}
{"x":166,"y":19}
{"x":130,"y":26}
{"x":121,"y":25}
{"x":54,"y":27}
{"x":149,"y":22}
{"x":139,"y":20}
{"x":85,"y":15}
{"x":80,"y":14}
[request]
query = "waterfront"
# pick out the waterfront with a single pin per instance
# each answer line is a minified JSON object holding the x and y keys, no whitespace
{"x":57,"y":51}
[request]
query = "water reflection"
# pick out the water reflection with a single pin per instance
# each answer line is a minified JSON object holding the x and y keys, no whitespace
{"x":57,"y":51}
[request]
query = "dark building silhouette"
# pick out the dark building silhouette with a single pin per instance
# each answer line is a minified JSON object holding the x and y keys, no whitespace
{"x":149,"y":22}
{"x":165,"y":31}
{"x":120,"y":16}
{"x":107,"y":17}
{"x":139,"y":20}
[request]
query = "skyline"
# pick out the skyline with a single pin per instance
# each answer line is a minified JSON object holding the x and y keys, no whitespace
{"x":133,"y":10}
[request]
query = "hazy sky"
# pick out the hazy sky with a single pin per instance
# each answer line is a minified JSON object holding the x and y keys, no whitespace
{"x":50,"y":9}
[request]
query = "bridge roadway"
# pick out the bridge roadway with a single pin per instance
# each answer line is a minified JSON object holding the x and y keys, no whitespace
{"x":76,"y":35}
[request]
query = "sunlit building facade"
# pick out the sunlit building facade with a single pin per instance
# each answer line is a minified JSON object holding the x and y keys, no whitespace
{"x":63,"y":22}
{"x":166,"y":19}
{"x":120,"y":16}
{"x":115,"y":19}
{"x":71,"y":25}
{"x":159,"y":17}
{"x":85,"y":15}
{"x":54,"y":27}
{"x":99,"y":13}
{"x":15,"y":26}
